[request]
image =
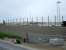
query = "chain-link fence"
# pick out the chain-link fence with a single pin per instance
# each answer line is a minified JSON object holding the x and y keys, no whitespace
{"x":41,"y":21}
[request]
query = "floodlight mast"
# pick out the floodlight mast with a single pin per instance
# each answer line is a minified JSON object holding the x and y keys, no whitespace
{"x":58,"y":11}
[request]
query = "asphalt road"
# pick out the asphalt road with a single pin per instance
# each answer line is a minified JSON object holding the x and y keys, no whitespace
{"x":7,"y":46}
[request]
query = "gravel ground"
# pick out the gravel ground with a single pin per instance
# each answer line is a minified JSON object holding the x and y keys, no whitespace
{"x":45,"y":46}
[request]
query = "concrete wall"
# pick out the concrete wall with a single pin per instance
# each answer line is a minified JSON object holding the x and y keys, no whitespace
{"x":37,"y":38}
{"x":41,"y":38}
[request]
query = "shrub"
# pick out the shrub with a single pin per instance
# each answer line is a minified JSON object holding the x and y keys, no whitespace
{"x":18,"y":41}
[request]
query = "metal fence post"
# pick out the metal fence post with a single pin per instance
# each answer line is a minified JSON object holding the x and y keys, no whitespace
{"x":37,"y":20}
{"x":55,"y":20}
{"x":32,"y":20}
{"x":16,"y":20}
{"x":48,"y":21}
{"x":62,"y":19}
{"x":13,"y":20}
{"x":8,"y":20}
{"x":42,"y":20}
{"x":23,"y":21}
{"x":20,"y":20}
{"x":27,"y":20}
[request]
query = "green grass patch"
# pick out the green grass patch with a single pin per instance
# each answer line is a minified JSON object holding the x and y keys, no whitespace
{"x":9,"y":35}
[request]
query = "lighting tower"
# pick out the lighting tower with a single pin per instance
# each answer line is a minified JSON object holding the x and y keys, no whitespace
{"x":58,"y":10}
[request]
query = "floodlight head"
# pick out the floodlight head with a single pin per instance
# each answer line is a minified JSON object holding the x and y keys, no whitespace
{"x":58,"y":2}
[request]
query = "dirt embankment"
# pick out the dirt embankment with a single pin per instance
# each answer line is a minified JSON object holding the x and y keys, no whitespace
{"x":22,"y":30}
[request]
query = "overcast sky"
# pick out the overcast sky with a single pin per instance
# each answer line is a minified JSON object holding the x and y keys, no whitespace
{"x":27,"y":8}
